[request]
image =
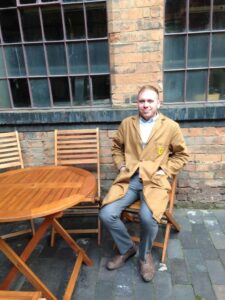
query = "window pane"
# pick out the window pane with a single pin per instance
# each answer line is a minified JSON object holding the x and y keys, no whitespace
{"x":80,"y":90}
{"x":101,"y":89}
{"x":218,"y":49}
{"x":218,"y":14}
{"x":198,"y":49}
{"x":217,"y":85}
{"x":199,"y":15}
{"x":96,"y":20}
{"x":56,"y":59}
{"x":60,"y":91}
{"x":15,"y":61}
{"x":7,"y":3}
{"x":10,"y":26}
{"x":40,"y":92}
{"x":72,"y":1}
{"x":31,"y":24}
{"x":2,"y":67}
{"x":74,"y":19}
{"x":27,"y":1}
{"x":99,"y":57}
{"x":196,"y":85}
{"x":52,"y":23}
{"x":77,"y":58}
{"x":174,"y":86}
{"x":20,"y":92}
{"x":175,"y":15}
{"x":4,"y":98}
{"x":174,"y":54}
{"x":35,"y":60}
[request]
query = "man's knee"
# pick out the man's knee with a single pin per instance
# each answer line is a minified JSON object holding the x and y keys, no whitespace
{"x":107,"y":215}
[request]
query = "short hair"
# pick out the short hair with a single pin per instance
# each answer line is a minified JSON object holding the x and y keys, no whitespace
{"x":147,"y":87}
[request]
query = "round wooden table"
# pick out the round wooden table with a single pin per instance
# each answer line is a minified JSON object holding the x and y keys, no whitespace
{"x":43,"y":192}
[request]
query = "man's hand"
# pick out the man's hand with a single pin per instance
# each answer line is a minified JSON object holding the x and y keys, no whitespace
{"x":122,"y":169}
{"x":160,"y":172}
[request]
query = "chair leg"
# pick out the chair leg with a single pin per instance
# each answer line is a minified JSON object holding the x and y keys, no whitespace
{"x":99,"y":232}
{"x":166,"y":240}
{"x":52,"y":242}
{"x":32,"y":227}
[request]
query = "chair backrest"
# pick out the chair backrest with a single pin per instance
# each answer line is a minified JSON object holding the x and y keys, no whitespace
{"x":10,"y":151}
{"x":78,"y":147}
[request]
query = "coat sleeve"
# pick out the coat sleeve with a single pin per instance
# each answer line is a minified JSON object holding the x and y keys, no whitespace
{"x":118,"y":148}
{"x":178,"y":154}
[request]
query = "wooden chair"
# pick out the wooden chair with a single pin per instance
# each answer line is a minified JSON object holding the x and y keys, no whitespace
{"x":11,"y":157}
{"x":168,"y":220}
{"x":80,"y":147}
{"x":20,"y":295}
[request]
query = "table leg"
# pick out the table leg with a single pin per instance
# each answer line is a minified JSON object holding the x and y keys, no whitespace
{"x":27,"y":251}
{"x":25,"y":270}
{"x":64,"y":234}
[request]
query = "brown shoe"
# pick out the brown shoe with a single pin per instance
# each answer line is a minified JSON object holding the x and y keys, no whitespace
{"x":118,"y":260}
{"x":147,"y":268}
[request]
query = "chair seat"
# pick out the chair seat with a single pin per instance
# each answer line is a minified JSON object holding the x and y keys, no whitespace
{"x":20,"y":295}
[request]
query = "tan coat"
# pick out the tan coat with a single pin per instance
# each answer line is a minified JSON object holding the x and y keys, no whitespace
{"x":165,"y":149}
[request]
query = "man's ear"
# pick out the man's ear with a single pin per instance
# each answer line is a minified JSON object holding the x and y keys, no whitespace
{"x":158,"y":105}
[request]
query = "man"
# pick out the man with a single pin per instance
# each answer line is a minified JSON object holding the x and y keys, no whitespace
{"x":147,"y":149}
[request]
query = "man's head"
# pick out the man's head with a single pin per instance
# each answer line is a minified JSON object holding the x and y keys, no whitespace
{"x":148,"y":102}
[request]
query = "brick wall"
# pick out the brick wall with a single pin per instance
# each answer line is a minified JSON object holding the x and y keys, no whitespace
{"x":201,"y":183}
{"x":136,"y":46}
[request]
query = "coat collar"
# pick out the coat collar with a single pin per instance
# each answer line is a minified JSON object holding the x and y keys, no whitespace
{"x":156,"y":127}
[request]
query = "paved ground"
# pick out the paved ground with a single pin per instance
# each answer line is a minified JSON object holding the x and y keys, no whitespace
{"x":195,"y":264}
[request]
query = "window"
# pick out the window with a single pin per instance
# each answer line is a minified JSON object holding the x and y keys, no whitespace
{"x":194,"y":51}
{"x":53,"y":53}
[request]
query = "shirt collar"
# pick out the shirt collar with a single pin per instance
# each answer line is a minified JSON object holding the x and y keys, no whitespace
{"x":142,"y":120}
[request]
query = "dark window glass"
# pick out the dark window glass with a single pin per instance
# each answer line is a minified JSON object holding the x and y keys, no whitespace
{"x":20,"y":92}
{"x":175,"y":15}
{"x":218,"y":14}
{"x":35,"y":60}
{"x":77,"y":58}
{"x":52,"y":23}
{"x":196,"y":85}
{"x":4,"y":99}
{"x":99,"y":57}
{"x":2,"y":67}
{"x":199,"y":15}
{"x":40,"y":92}
{"x":217,"y":85}
{"x":50,"y":0}
{"x":174,"y":86}
{"x":10,"y":26}
{"x":96,"y":20}
{"x":101,"y":89}
{"x":60,"y":91}
{"x":56,"y":59}
{"x":198,"y":50}
{"x":218,"y":49}
{"x":174,"y":56}
{"x":80,"y":90}
{"x":74,"y":19}
{"x":7,"y":3}
{"x":15,"y":61}
{"x":31,"y":24}
{"x":27,"y":1}
{"x":66,"y":1}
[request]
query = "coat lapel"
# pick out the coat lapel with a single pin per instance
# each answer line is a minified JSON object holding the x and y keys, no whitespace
{"x":156,"y":128}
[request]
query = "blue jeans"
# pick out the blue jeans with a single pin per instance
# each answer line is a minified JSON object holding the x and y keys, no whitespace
{"x":110,"y":216}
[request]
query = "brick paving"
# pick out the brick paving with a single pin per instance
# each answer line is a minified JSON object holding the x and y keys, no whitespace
{"x":195,"y":264}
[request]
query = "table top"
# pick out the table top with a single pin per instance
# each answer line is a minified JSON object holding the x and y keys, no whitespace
{"x":41,"y":191}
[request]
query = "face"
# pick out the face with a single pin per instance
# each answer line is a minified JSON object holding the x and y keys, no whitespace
{"x":148,"y":104}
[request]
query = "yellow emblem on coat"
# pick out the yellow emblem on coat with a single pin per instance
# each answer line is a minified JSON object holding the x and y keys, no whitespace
{"x":160,"y":150}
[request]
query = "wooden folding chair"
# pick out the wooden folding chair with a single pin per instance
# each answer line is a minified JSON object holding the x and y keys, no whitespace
{"x":80,"y":147}
{"x":11,"y":157}
{"x":20,"y":295}
{"x":168,"y":220}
